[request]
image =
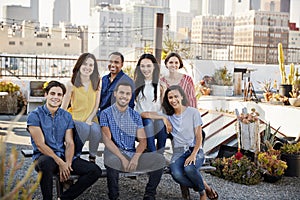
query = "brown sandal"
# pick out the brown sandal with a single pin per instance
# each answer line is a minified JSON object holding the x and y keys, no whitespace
{"x":212,"y":194}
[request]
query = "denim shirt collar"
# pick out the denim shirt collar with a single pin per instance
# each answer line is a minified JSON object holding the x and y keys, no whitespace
{"x":47,"y":112}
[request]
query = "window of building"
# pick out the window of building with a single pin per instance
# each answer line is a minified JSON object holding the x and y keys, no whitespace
{"x":49,"y":44}
{"x":11,"y":43}
{"x":66,"y":44}
{"x":21,"y":43}
{"x":39,"y":44}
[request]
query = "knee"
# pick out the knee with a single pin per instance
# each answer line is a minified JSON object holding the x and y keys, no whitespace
{"x":147,"y":122}
{"x":175,"y":171}
{"x":96,"y":170}
{"x":46,"y":164}
{"x":176,"y":174}
{"x":190,"y":169}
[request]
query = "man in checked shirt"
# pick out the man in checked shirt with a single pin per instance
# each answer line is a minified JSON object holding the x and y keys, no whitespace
{"x":121,"y":126}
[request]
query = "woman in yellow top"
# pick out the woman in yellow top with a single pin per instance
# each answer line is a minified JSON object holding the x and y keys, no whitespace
{"x":83,"y":91}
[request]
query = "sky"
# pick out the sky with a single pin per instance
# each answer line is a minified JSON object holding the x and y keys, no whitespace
{"x":80,"y":10}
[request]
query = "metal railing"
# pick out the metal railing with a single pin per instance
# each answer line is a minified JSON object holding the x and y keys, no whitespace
{"x":38,"y":67}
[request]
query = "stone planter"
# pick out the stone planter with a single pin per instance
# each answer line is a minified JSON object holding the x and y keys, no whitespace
{"x":221,"y":90}
{"x":293,"y":163}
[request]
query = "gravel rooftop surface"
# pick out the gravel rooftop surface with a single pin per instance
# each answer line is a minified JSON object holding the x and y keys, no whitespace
{"x":286,"y":188}
{"x":131,"y":189}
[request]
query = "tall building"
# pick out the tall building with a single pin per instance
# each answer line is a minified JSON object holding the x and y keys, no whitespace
{"x":241,"y":6}
{"x":196,"y":7}
{"x":109,"y":30}
{"x":181,"y":26}
{"x":94,"y":3}
{"x":19,"y":13}
{"x":294,"y":12}
{"x":26,"y":39}
{"x":275,"y":5}
{"x":260,"y":31}
{"x":214,"y":32}
{"x":61,"y":12}
{"x":213,"y":7}
{"x":294,"y":43}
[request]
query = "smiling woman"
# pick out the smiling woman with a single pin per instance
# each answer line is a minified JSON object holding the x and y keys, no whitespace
{"x":84,"y":95}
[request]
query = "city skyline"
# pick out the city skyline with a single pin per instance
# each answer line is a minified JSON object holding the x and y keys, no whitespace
{"x":77,"y":7}
{"x":80,"y":11}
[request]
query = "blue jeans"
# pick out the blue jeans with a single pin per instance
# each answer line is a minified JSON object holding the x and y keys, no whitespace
{"x":188,"y":176}
{"x":155,"y":129}
{"x":152,"y":163}
{"x":88,"y":172}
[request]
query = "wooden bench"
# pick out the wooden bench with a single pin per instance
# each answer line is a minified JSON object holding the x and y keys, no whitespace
{"x":59,"y":187}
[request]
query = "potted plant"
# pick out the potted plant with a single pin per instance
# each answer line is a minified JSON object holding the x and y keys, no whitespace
{"x":270,"y":165}
{"x":266,"y":86}
{"x":286,"y":82}
{"x":290,"y":152}
{"x":294,"y":100}
{"x":222,"y":84}
{"x":237,"y":169}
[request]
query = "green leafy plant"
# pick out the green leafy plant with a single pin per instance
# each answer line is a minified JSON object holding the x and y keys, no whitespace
{"x":291,"y":148}
{"x":269,"y":162}
{"x":222,"y":76}
{"x":239,"y":170}
{"x":268,"y":139}
{"x":265,"y":85}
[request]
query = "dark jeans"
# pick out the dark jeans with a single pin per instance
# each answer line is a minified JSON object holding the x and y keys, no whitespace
{"x":88,"y":172}
{"x":155,"y":129}
{"x":152,"y":163}
{"x":189,"y":175}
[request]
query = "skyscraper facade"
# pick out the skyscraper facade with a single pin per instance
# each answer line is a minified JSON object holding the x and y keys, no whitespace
{"x":61,"y":12}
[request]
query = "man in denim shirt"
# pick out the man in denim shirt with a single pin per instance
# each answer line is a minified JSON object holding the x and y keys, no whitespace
{"x":109,"y":82}
{"x":51,"y":130}
{"x":121,"y":125}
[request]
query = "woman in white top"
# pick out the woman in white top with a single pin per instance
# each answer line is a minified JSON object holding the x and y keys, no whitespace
{"x":148,"y":101}
{"x":188,"y":155}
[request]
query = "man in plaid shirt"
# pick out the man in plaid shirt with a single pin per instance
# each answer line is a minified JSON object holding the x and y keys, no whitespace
{"x":121,"y":126}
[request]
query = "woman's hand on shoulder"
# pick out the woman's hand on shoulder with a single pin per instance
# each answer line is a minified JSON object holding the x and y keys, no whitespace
{"x":167,"y":124}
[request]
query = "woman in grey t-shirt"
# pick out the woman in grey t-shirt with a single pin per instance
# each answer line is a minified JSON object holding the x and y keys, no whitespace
{"x":188,"y":154}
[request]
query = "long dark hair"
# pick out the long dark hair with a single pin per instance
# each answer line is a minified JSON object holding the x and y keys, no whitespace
{"x":95,"y":76}
{"x":168,"y":109}
{"x":140,"y":78}
{"x":173,"y":54}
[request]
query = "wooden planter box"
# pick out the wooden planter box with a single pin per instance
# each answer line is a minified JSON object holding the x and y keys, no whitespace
{"x":8,"y":103}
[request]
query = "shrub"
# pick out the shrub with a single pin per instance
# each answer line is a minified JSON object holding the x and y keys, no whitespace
{"x":241,"y":170}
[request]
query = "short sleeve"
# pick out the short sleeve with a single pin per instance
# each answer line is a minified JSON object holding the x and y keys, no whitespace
{"x":33,"y":119}
{"x":139,"y":120}
{"x":197,"y":118}
{"x":103,"y":118}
